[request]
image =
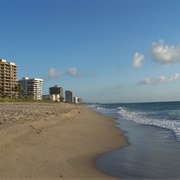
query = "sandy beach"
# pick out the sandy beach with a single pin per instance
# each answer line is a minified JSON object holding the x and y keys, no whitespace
{"x":54,"y":140}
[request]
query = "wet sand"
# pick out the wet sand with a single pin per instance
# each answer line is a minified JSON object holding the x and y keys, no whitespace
{"x":54,"y":140}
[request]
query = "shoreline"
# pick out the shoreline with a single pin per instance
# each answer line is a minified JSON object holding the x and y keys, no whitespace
{"x":49,"y":140}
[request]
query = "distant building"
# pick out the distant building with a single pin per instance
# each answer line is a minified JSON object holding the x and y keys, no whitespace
{"x":69,"y":96}
{"x":55,"y":97}
{"x":80,"y":100}
{"x":56,"y":90}
{"x":8,"y":78}
{"x":32,"y":87}
{"x":76,"y":100}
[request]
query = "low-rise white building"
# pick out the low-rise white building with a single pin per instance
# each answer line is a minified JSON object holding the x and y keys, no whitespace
{"x":32,"y":87}
{"x":55,"y":97}
{"x":76,"y":100}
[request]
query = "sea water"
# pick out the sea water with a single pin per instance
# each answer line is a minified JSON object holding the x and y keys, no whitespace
{"x":153,"y":134}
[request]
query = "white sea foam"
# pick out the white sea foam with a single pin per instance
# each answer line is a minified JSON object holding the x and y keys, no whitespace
{"x":96,"y":107}
{"x":142,"y":118}
{"x":163,"y":119}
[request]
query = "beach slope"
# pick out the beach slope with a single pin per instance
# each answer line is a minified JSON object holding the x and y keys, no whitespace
{"x":53,"y":140}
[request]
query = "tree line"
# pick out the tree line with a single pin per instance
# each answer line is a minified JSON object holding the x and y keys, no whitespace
{"x":16,"y":92}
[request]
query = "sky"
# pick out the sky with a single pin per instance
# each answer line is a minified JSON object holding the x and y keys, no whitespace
{"x":103,"y":50}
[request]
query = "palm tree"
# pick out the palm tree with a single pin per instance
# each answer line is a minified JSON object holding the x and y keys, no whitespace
{"x":31,"y":95}
{"x":15,"y":89}
{"x":61,"y":99}
{"x":19,"y":92}
{"x":1,"y":92}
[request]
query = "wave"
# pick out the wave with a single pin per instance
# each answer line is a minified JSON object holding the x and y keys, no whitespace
{"x":162,"y":118}
{"x":96,"y":107}
{"x":103,"y":109}
{"x":146,"y":118}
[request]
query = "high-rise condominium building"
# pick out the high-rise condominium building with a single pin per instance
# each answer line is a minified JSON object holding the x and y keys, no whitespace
{"x":32,"y":87}
{"x":69,"y":96}
{"x":56,"y":90}
{"x":8,"y":78}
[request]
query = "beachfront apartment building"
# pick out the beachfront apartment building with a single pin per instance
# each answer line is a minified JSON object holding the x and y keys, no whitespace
{"x":32,"y":87}
{"x":56,"y":90}
{"x":69,"y":96}
{"x":8,"y":78}
{"x":56,"y":93}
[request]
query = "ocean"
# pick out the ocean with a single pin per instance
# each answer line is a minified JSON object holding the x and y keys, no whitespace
{"x":153,"y":134}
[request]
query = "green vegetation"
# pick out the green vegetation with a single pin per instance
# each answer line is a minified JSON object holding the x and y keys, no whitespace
{"x":19,"y":96}
{"x":30,"y":100}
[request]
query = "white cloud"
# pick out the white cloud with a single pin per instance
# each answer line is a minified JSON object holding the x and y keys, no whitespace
{"x":72,"y":71}
{"x":53,"y":74}
{"x":165,"y":54}
{"x":137,"y":60}
{"x":160,"y":79}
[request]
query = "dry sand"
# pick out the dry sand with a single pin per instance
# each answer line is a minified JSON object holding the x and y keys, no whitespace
{"x":53,"y":140}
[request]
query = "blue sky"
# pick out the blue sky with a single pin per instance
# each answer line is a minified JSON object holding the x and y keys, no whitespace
{"x":102,"y":50}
